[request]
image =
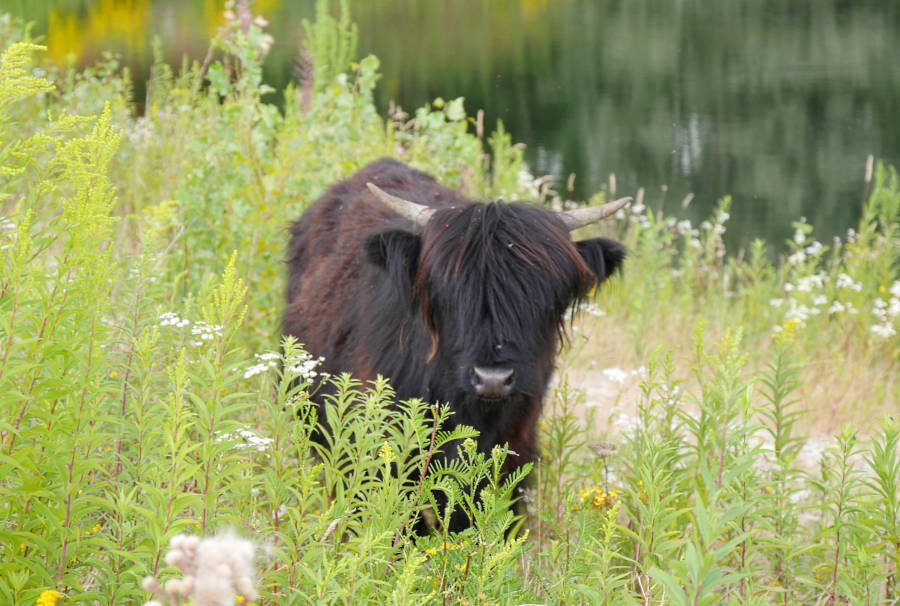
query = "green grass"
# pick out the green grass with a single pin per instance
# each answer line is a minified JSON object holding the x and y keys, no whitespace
{"x":141,"y":398}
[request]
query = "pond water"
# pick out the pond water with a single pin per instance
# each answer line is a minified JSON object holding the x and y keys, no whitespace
{"x":775,"y":102}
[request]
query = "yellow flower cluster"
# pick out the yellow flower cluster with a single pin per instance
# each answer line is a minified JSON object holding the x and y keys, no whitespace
{"x":787,"y":332}
{"x":597,"y":497}
{"x":48,"y":597}
{"x":386,"y":453}
{"x":446,"y":547}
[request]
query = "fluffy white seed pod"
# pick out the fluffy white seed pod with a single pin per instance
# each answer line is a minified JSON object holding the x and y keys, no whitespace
{"x":175,"y":558}
{"x":244,"y":586}
{"x":174,"y":588}
{"x":187,"y":585}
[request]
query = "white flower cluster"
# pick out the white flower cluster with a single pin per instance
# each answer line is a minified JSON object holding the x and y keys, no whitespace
{"x":807,"y":283}
{"x":845,"y":281}
{"x":201,"y":330}
{"x":304,"y":366}
{"x":246,"y":438}
{"x":718,"y":227}
{"x":616,"y":375}
{"x":205,"y":332}
{"x":587,"y":307}
{"x":813,"y":249}
{"x":215,"y":569}
{"x":264,"y":362}
{"x":171,"y":319}
{"x":635,"y":212}
{"x":798,"y":312}
{"x":886,"y":312}
{"x":684,"y":228}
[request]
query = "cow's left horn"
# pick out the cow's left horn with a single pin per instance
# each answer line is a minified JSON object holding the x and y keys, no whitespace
{"x":417,"y":213}
{"x":585,"y":216}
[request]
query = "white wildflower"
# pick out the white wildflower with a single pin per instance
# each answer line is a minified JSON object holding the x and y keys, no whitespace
{"x":797,"y":258}
{"x":205,"y":332}
{"x":304,"y":366}
{"x":819,"y":300}
{"x":884,"y":330}
{"x":799,"y":236}
{"x":591,"y":309}
{"x":799,"y":313}
{"x":264,"y":362}
{"x":837,"y":307}
{"x":807,"y":283}
{"x":845,"y":281}
{"x":171,"y":319}
{"x":255,"y":370}
{"x":776,"y":302}
{"x":815,"y":248}
{"x":895,"y":289}
{"x":616,"y":375}
{"x":684,"y":228}
{"x":246,"y":438}
{"x":893,"y":309}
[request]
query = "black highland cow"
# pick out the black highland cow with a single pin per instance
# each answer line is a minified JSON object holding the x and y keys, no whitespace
{"x":455,"y":301}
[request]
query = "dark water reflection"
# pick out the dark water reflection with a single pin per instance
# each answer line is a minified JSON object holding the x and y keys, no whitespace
{"x":777,"y":103}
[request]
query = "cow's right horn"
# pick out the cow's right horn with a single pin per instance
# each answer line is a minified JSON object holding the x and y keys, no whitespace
{"x":585,"y":216}
{"x":417,"y":213}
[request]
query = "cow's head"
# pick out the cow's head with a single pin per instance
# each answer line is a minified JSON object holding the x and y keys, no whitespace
{"x":492,"y":284}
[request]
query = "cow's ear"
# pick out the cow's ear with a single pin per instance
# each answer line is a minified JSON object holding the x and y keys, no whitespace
{"x":397,"y":252}
{"x":602,"y":255}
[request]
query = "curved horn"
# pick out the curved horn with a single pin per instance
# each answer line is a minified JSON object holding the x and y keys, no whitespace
{"x":417,"y":213}
{"x":585,"y":216}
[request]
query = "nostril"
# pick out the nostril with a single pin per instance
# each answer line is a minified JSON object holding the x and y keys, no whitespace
{"x":508,"y":382}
